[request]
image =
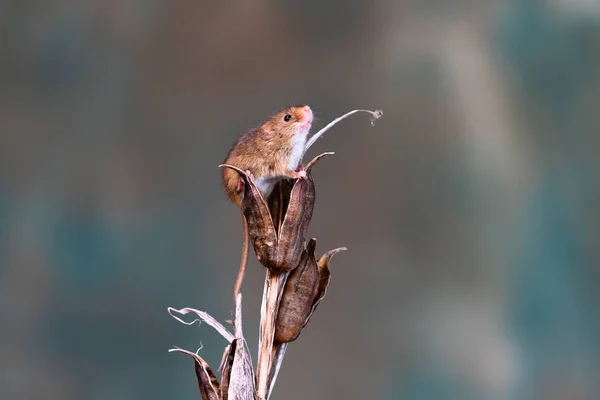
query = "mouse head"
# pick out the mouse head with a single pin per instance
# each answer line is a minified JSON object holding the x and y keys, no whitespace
{"x":291,"y":121}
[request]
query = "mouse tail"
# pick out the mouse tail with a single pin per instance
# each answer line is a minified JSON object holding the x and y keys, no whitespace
{"x":244,"y":262}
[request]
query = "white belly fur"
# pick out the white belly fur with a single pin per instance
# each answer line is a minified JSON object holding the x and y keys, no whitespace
{"x":265,"y":186}
{"x":298,"y":144}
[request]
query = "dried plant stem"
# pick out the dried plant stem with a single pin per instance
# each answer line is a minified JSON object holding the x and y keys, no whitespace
{"x":239,"y":332}
{"x":244,"y":261}
{"x":375,"y":115}
{"x":278,"y":354}
{"x":274,"y":284}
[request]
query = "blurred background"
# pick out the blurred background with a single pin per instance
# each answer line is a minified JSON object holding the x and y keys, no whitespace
{"x":470,"y":210}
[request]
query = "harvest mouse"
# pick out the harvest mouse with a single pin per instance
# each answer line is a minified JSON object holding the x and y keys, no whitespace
{"x":271,"y":152}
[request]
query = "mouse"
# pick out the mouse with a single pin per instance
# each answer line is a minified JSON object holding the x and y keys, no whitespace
{"x":270,"y":152}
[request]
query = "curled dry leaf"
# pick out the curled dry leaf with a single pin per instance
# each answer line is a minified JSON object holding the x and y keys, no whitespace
{"x":207,"y":381}
{"x":237,"y":378}
{"x":227,"y":363}
{"x":202,"y":316}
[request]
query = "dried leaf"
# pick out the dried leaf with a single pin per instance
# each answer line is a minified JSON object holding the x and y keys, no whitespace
{"x":203,"y":316}
{"x":207,"y":382}
{"x":242,"y":380}
{"x":227,"y":363}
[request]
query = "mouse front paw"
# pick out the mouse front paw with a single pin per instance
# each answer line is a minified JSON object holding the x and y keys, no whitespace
{"x":299,"y":175}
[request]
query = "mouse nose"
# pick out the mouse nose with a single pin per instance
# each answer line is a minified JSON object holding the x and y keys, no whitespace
{"x":308,"y":112}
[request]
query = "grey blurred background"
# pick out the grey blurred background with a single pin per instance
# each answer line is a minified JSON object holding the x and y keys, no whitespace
{"x":470,"y":210}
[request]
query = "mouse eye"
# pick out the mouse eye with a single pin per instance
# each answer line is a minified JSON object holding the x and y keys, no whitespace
{"x":287,"y":117}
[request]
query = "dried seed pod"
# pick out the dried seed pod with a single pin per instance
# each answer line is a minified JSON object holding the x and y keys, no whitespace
{"x":278,"y":202}
{"x":280,"y":197}
{"x":277,"y":229}
{"x":304,"y":289}
{"x":290,"y":238}
{"x":298,"y":297}
{"x":261,"y":230}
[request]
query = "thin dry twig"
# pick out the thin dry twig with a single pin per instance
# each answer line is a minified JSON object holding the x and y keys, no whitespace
{"x":278,"y":354}
{"x":375,"y":116}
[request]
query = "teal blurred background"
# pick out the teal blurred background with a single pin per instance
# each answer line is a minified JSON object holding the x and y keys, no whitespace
{"x":470,"y":210}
